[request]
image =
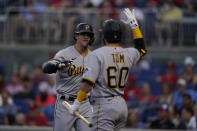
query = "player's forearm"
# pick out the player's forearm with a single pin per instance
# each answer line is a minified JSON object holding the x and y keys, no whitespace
{"x":49,"y":68}
{"x":139,"y":41}
{"x":84,"y":90}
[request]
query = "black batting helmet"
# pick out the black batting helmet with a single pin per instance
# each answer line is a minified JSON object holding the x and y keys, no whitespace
{"x":112,"y":31}
{"x":85,"y":28}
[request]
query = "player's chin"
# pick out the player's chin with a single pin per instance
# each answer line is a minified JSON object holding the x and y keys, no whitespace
{"x":85,"y":43}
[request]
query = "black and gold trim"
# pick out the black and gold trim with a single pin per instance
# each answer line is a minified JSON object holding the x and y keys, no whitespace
{"x":112,"y":45}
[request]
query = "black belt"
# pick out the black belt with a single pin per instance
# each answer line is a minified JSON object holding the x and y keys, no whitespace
{"x":69,"y":98}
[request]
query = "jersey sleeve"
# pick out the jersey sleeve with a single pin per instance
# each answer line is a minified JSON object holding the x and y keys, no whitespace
{"x":134,"y":55}
{"x":58,"y":58}
{"x":92,"y":69}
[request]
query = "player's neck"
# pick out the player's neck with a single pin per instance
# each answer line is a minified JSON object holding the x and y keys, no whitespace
{"x":112,"y":44}
{"x":82,"y":50}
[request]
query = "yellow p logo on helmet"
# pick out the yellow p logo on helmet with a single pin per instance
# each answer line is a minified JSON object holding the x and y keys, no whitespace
{"x":87,"y":27}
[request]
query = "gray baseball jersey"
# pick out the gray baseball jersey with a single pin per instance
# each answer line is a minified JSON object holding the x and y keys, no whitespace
{"x":68,"y":79}
{"x":108,"y":69}
{"x":67,"y":84}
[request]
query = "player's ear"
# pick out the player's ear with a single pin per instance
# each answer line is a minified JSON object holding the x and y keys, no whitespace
{"x":104,"y":40}
{"x":76,"y":36}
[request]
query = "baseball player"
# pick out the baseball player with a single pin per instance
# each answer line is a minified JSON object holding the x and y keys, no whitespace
{"x":68,"y":64}
{"x":107,"y":72}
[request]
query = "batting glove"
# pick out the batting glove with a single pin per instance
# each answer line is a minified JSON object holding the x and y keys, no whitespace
{"x":74,"y":107}
{"x":129,"y":18}
{"x":64,"y":64}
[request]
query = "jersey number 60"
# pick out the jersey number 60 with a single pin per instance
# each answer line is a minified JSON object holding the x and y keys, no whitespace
{"x":112,"y":77}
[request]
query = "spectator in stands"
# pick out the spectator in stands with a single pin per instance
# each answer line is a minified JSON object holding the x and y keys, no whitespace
{"x":189,"y":118}
{"x":174,"y":116}
{"x":119,"y":4}
{"x":28,"y":22}
{"x":22,"y":71}
{"x":44,"y":98}
{"x":6,"y":104}
{"x":190,"y":5}
{"x":155,"y":3}
{"x":20,"y":119}
{"x":2,"y":82}
{"x":107,"y":10}
{"x":166,"y":94}
{"x":187,"y":101}
{"x":2,"y":68}
{"x":147,"y":97}
{"x":133,"y":121}
{"x":37,"y":77}
{"x":34,"y":117}
{"x":51,"y":82}
{"x":40,"y":5}
{"x":140,"y":3}
{"x":195,"y":111}
{"x":27,"y":94}
{"x":171,"y":15}
{"x":170,"y":76}
{"x":132,"y":92}
{"x":67,"y":4}
{"x":15,"y":86}
{"x":163,"y":121}
{"x":181,"y":90}
{"x":189,"y":74}
{"x":2,"y":98}
{"x":56,"y":3}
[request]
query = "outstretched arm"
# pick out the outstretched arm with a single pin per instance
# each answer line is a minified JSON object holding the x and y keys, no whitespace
{"x":52,"y":67}
{"x":137,"y":35}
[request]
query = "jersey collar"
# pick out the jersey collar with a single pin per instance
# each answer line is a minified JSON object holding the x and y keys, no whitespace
{"x":112,"y":45}
{"x":85,"y":53}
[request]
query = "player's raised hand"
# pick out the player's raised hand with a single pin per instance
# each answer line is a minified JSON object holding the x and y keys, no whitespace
{"x":129,"y":18}
{"x":74,"y":107}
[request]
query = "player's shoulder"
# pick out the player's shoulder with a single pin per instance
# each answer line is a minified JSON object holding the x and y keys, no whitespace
{"x":131,"y":50}
{"x":96,"y":52}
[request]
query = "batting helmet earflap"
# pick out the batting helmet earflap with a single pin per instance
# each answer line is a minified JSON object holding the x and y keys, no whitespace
{"x":112,"y":31}
{"x":85,"y":28}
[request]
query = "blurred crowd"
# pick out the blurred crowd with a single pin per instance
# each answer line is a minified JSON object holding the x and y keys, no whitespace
{"x":28,"y":98}
{"x":165,"y":100}
{"x":158,"y":96}
{"x":42,"y":5}
{"x":53,"y":21}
